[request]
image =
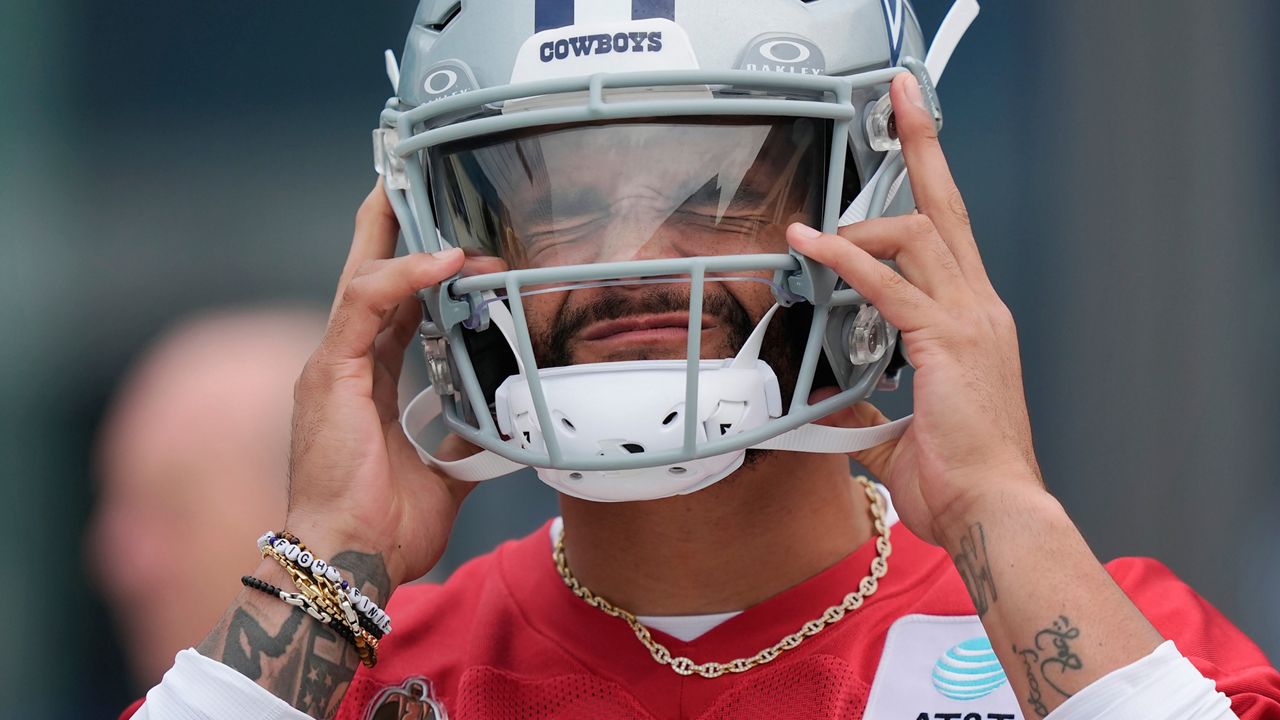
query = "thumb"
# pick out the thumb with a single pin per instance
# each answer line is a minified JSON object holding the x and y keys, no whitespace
{"x":879,"y":459}
{"x":876,"y":460}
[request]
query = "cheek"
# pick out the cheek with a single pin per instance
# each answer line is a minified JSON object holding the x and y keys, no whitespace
{"x":540,"y":311}
{"x":755,"y":298}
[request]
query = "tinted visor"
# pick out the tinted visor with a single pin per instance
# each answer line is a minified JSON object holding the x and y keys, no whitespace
{"x":631,"y":190}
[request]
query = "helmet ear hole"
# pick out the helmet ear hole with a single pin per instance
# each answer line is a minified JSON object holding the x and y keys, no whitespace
{"x":492,"y":359}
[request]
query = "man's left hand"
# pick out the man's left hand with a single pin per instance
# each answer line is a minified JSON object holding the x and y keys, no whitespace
{"x":970,"y":441}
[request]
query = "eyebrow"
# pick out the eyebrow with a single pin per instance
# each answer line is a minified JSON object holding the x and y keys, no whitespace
{"x":565,"y":201}
{"x":746,"y":193}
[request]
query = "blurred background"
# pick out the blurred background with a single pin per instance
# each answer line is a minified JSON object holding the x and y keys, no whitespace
{"x":162,"y":160}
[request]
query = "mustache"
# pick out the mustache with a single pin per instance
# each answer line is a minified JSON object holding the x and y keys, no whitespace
{"x":615,"y":303}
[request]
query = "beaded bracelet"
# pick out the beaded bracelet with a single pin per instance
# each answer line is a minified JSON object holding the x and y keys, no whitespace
{"x":300,"y":601}
{"x":323,"y":590}
{"x":323,"y":593}
{"x":366,"y":624}
{"x":285,"y":542}
{"x":360,"y":601}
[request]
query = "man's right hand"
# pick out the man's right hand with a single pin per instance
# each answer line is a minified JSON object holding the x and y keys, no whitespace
{"x":355,"y":481}
{"x":359,"y":497}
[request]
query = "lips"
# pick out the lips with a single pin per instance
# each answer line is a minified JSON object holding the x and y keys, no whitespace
{"x":643,"y":327}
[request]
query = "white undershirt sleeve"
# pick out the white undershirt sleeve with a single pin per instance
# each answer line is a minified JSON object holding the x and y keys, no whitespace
{"x":200,"y":688}
{"x":1163,"y":685}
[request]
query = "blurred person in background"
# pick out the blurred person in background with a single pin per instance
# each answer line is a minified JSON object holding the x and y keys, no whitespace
{"x":194,"y":450}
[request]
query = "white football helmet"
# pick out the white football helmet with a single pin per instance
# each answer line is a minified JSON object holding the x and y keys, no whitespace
{"x":620,"y":173}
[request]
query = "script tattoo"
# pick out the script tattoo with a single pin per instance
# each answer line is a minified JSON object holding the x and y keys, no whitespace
{"x":1034,"y":698}
{"x":310,"y":669}
{"x":1052,"y":658}
{"x":974,"y":569}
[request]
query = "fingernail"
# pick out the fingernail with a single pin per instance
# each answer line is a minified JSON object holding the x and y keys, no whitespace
{"x":804,"y":231}
{"x":446,"y":254}
{"x":912,"y":90}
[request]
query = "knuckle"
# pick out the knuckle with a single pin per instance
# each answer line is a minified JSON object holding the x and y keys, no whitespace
{"x":955,"y":203}
{"x":350,"y":295}
{"x":890,"y":279}
{"x":1002,"y":318}
{"x":309,"y":379}
{"x":357,"y":288}
{"x":372,"y":208}
{"x":366,"y":268}
{"x":921,"y":227}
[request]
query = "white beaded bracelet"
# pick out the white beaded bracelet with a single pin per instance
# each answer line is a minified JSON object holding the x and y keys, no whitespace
{"x":306,"y":560}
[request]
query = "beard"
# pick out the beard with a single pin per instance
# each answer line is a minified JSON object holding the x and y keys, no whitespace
{"x":782,"y":349}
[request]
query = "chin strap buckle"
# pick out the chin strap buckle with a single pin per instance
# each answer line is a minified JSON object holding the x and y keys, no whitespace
{"x":435,"y":350}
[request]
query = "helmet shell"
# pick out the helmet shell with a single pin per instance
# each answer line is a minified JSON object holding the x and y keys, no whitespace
{"x":485,"y":36}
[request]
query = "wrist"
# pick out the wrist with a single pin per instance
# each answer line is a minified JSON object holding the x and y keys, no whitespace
{"x":1013,"y":503}
{"x":359,"y":561}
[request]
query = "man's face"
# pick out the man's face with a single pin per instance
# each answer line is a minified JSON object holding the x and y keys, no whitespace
{"x":641,"y":191}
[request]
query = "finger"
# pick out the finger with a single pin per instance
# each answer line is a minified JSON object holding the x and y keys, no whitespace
{"x":901,"y":303}
{"x":483,"y":265}
{"x":932,"y":185}
{"x":914,"y":243}
{"x":373,"y":292}
{"x":389,"y":348}
{"x":374,"y":238}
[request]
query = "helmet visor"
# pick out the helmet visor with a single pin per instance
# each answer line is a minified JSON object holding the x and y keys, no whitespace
{"x":631,"y":190}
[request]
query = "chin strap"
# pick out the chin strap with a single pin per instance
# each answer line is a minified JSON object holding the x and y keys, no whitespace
{"x":815,"y":438}
{"x":424,"y":425}
{"x":423,"y":421}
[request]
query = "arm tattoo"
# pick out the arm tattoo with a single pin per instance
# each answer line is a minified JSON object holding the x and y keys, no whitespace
{"x":310,"y":669}
{"x":1052,"y":658}
{"x":248,"y":641}
{"x":974,"y":569}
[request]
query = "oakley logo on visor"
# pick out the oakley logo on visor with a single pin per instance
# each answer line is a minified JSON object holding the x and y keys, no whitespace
{"x":446,"y":79}
{"x":772,"y":52}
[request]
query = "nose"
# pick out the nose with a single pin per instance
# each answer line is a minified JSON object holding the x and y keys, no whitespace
{"x":647,"y":237}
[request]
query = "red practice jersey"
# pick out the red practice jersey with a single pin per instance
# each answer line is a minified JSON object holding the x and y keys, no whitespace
{"x":504,"y":638}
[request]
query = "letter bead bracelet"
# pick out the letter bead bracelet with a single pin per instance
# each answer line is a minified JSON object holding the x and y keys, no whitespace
{"x":324,"y":594}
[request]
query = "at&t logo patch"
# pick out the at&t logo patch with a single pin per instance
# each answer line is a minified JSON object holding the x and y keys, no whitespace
{"x":940,"y":668}
{"x":968,"y":671}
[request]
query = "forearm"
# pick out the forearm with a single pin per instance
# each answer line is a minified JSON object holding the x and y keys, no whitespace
{"x":1056,"y":619}
{"x":292,"y":655}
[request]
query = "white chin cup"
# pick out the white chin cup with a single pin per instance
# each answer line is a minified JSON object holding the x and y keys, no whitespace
{"x":624,"y":409}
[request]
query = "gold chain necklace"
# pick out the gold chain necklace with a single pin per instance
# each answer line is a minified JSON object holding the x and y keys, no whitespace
{"x":685,"y":666}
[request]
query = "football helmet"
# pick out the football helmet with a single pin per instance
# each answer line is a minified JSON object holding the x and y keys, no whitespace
{"x":601,"y":161}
